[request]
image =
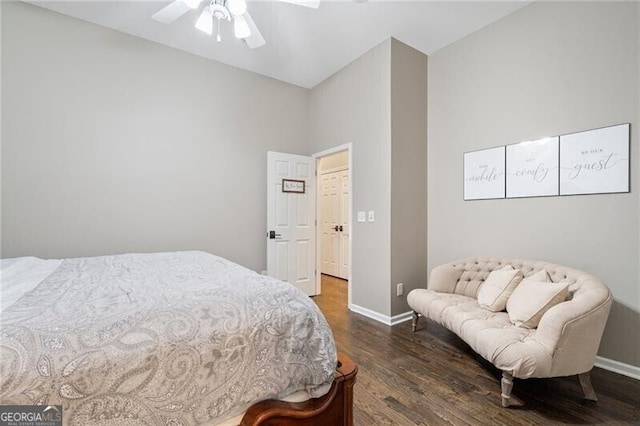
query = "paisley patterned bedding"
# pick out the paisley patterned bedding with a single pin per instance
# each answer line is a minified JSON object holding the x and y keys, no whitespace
{"x":181,"y":338}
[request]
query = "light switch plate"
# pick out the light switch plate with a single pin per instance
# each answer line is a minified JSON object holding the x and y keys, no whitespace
{"x":371,"y":216}
{"x":361,"y":216}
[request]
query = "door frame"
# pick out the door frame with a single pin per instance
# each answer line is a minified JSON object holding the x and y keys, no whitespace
{"x":317,"y":156}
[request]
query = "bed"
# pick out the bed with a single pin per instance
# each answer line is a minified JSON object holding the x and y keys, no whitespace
{"x":183,"y":338}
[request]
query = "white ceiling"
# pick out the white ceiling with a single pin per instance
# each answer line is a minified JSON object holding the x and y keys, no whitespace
{"x":304,"y":46}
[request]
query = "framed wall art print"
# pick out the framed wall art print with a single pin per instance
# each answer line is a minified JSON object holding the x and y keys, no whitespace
{"x":484,"y":176}
{"x":595,"y":161}
{"x":532,"y":168}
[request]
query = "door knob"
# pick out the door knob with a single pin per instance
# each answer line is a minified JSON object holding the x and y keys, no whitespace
{"x":335,"y":228}
{"x":273,"y":235}
{"x":340,"y":228}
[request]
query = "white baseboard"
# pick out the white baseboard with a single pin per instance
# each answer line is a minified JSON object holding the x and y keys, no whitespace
{"x":384,"y":319}
{"x":404,"y":317}
{"x":618,"y":367}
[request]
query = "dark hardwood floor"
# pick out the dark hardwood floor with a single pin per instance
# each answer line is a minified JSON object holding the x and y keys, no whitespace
{"x":431,"y":377}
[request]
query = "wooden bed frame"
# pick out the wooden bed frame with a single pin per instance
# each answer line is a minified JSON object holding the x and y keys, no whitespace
{"x":335,"y":408}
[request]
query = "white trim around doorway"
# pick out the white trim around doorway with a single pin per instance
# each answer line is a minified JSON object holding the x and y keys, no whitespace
{"x":349,"y":148}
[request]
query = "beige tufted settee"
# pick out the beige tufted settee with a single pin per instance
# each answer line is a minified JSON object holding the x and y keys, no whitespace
{"x":564,"y":343}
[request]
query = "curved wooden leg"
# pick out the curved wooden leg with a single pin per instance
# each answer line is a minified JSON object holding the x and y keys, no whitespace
{"x":587,"y":387}
{"x":507,"y":385}
{"x":414,"y":321}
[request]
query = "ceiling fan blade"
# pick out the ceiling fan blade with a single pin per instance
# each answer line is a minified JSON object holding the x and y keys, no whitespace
{"x":313,"y":4}
{"x":255,"y":40}
{"x":171,"y":12}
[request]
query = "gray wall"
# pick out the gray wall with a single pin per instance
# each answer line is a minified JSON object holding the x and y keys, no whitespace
{"x":408,"y":172}
{"x":0,"y":131}
{"x":354,"y":106}
{"x":378,"y":102}
{"x":115,"y":144}
{"x":548,"y":69}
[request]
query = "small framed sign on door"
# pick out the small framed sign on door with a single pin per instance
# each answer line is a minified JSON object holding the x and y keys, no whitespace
{"x":292,"y":185}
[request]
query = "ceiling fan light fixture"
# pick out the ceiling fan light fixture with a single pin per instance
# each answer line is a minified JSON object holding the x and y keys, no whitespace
{"x":241,"y":27}
{"x":221,"y":10}
{"x":193,"y":4}
{"x":237,"y":7}
{"x":205,"y":21}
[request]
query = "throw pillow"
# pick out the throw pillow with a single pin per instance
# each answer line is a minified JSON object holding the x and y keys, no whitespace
{"x":444,"y":278}
{"x":530,"y":300}
{"x":541,"y":276}
{"x":496,"y":289}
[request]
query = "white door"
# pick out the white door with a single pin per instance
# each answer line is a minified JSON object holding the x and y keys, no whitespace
{"x":329,"y":224}
{"x":334,"y":222}
{"x":291,"y":248}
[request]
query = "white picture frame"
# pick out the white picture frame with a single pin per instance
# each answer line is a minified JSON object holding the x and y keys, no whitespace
{"x":532,"y":168}
{"x":595,"y":161}
{"x":484,"y":174}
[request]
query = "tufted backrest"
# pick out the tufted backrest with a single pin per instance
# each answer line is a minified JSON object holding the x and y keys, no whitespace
{"x":464,"y":276}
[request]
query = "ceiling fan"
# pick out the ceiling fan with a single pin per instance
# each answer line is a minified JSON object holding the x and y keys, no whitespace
{"x":243,"y":25}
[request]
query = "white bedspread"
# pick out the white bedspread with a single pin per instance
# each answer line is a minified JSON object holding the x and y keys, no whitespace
{"x":159,"y":339}
{"x":20,"y":275}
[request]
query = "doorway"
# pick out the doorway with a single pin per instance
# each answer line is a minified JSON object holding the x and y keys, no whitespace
{"x":333,"y":230}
